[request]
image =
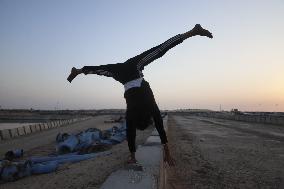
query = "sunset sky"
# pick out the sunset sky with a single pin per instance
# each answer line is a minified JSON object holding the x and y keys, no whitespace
{"x":241,"y":67}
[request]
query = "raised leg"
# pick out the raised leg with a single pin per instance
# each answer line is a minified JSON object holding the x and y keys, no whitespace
{"x":197,"y":30}
{"x":74,"y":73}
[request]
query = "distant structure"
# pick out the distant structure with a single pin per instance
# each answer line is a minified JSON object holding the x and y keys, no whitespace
{"x":236,"y":112}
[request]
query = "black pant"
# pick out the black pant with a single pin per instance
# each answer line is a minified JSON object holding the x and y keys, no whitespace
{"x":141,"y":107}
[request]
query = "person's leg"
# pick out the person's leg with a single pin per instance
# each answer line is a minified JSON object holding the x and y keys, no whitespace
{"x":107,"y":70}
{"x":154,"y":53}
{"x":74,"y":73}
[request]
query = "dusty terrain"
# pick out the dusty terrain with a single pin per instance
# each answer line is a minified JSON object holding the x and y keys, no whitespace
{"x":216,"y":153}
{"x":209,"y":153}
{"x":85,"y":174}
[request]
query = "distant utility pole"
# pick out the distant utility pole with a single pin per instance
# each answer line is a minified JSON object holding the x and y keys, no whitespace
{"x":220,"y":108}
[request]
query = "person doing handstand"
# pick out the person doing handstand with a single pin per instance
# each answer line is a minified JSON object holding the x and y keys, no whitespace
{"x":141,"y":104}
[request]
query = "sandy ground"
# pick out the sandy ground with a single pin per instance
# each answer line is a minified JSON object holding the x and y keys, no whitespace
{"x":215,"y":153}
{"x":86,"y":174}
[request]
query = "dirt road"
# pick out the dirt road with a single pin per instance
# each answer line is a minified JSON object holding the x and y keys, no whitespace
{"x":216,"y":153}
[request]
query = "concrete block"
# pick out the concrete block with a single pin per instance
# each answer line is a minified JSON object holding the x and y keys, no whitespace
{"x":49,"y":125}
{"x":41,"y":127}
{"x":153,"y":140}
{"x":37,"y":127}
{"x":124,"y":179}
{"x":149,"y":156}
{"x":33,"y":128}
{"x":6,"y":134}
{"x":14,"y":132}
{"x":21,"y":131}
{"x":27,"y":129}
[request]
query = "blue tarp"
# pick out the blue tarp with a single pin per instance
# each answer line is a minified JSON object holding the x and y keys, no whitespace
{"x":69,"y":143}
{"x":11,"y":171}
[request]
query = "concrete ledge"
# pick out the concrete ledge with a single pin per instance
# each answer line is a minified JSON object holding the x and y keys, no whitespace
{"x":147,"y":173}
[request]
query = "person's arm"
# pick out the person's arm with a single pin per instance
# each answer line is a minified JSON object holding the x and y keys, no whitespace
{"x":160,"y":128}
{"x":105,"y":70}
{"x":131,"y":135}
{"x":167,"y":156}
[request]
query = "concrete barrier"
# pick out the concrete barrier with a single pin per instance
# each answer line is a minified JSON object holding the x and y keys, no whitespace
{"x":6,"y":134}
{"x":33,"y":128}
{"x":14,"y":132}
{"x":1,"y":137}
{"x":41,"y":127}
{"x":49,"y":125}
{"x":37,"y":127}
{"x":267,"y":119}
{"x":45,"y":126}
{"x":21,"y":131}
{"x":27,"y":129}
